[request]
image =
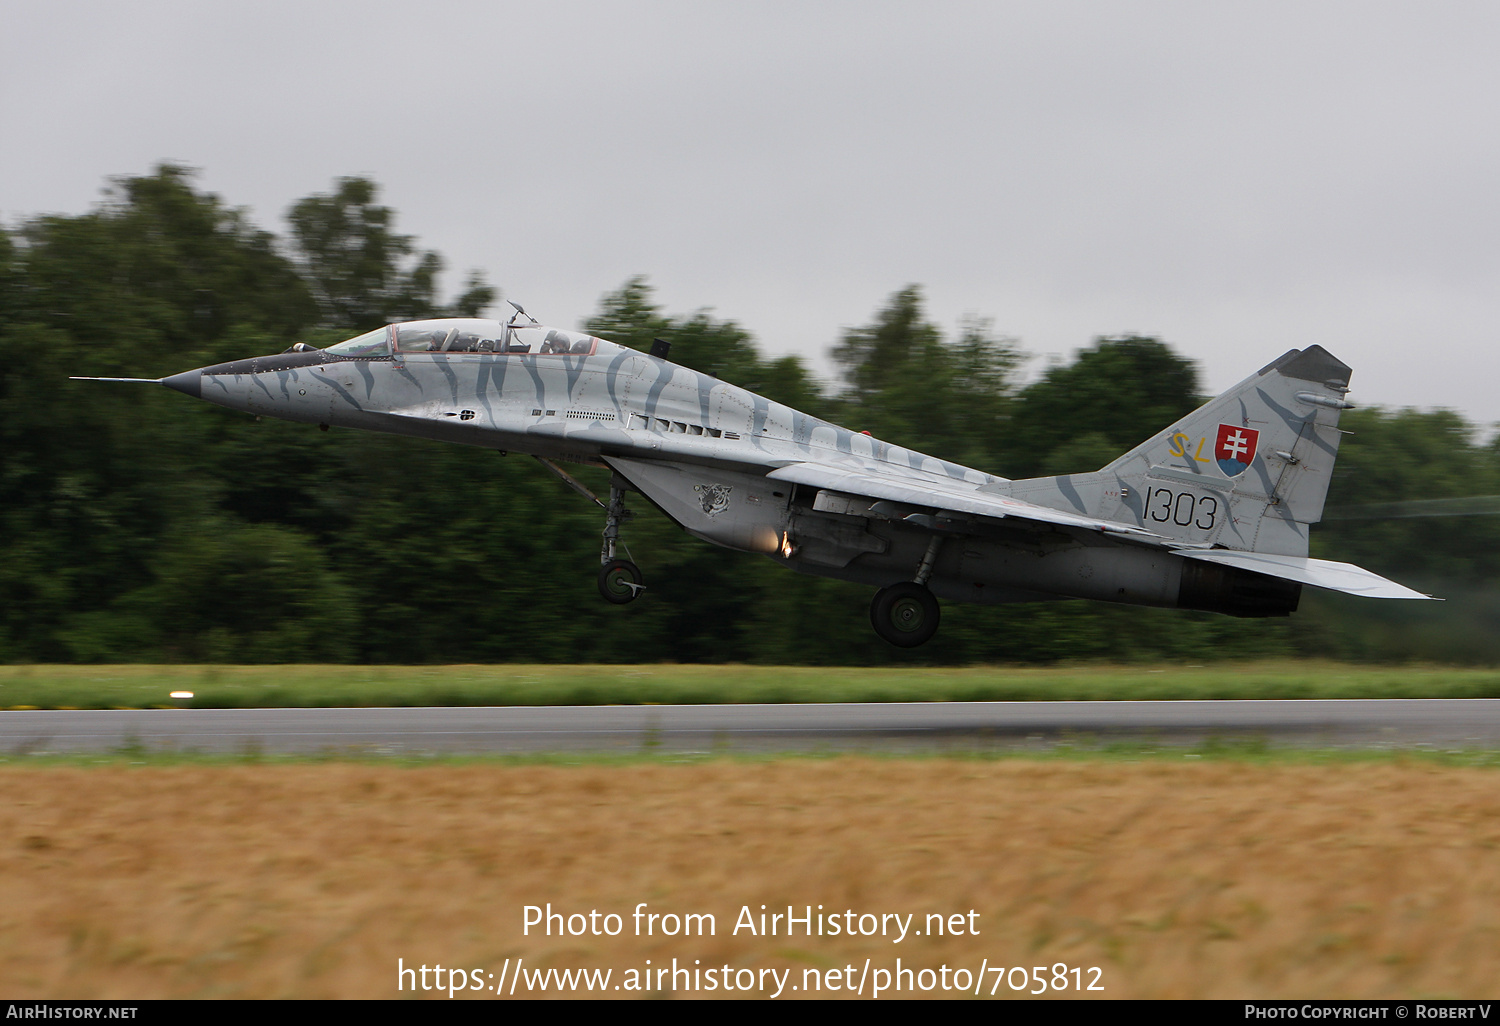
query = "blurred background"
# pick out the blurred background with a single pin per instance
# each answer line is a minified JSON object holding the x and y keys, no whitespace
{"x":136,"y":525}
{"x":1023,"y":236}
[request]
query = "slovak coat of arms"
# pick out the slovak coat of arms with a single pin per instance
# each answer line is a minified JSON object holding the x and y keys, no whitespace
{"x":1235,"y":448}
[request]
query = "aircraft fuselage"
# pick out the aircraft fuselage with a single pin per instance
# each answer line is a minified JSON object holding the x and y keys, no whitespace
{"x":1211,"y":513}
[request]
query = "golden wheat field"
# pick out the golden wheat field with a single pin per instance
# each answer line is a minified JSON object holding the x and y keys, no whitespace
{"x":1212,"y":878}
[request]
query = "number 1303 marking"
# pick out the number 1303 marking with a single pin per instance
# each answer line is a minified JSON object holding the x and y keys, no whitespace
{"x":1182,"y":508}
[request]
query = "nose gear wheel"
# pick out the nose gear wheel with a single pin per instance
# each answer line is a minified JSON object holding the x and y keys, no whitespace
{"x":620,"y":581}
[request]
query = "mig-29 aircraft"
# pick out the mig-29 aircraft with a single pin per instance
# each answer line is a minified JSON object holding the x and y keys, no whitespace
{"x":1211,"y":514}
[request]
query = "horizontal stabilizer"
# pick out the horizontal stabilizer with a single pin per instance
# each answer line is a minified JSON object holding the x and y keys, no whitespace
{"x":1321,"y":573}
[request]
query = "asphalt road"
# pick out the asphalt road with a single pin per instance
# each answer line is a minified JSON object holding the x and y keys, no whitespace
{"x":1443,"y":724}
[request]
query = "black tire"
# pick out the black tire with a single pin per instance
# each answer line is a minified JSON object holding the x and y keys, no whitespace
{"x":620,"y":581}
{"x":905,"y":614}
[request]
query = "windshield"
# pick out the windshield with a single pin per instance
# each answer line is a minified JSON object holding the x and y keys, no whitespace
{"x":371,"y":343}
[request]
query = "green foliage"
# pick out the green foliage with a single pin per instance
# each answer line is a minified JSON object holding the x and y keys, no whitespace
{"x":1393,"y":470}
{"x":156,"y":272}
{"x":1116,"y":394}
{"x":228,"y":592}
{"x":353,"y":261}
{"x":1387,"y":456}
{"x":908,"y":385}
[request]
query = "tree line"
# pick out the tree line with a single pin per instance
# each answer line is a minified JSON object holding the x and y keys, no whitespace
{"x":139,"y":526}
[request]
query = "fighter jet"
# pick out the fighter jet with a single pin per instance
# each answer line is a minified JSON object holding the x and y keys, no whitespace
{"x":1212,"y":513}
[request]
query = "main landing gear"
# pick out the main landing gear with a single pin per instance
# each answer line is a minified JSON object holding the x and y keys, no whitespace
{"x":906,"y":614}
{"x":620,"y":580}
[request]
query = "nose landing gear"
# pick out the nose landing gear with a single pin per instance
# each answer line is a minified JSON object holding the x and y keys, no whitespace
{"x":620,"y":580}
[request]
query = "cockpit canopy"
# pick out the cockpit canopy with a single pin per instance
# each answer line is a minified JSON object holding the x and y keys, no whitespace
{"x":467,"y":335}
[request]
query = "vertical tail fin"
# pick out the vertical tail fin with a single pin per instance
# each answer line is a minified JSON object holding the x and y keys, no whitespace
{"x":1247,"y":471}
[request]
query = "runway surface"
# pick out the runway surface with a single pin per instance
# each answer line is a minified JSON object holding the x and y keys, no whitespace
{"x":1443,"y":724}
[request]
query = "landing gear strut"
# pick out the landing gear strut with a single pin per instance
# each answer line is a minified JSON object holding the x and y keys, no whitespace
{"x":620,"y":580}
{"x":906,"y":614}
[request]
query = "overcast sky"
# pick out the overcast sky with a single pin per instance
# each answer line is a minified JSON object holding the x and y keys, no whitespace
{"x":1235,"y":178}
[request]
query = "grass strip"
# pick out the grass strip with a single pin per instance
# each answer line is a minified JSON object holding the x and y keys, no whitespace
{"x":282,"y":686}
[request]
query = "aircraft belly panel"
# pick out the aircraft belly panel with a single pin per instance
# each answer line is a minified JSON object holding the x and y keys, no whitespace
{"x":730,"y":508}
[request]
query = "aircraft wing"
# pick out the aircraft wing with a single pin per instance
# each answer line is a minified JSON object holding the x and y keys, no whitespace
{"x":1321,"y":573}
{"x":935,"y":492}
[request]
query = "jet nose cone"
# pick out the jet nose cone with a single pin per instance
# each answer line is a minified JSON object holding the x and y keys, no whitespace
{"x":188,"y":382}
